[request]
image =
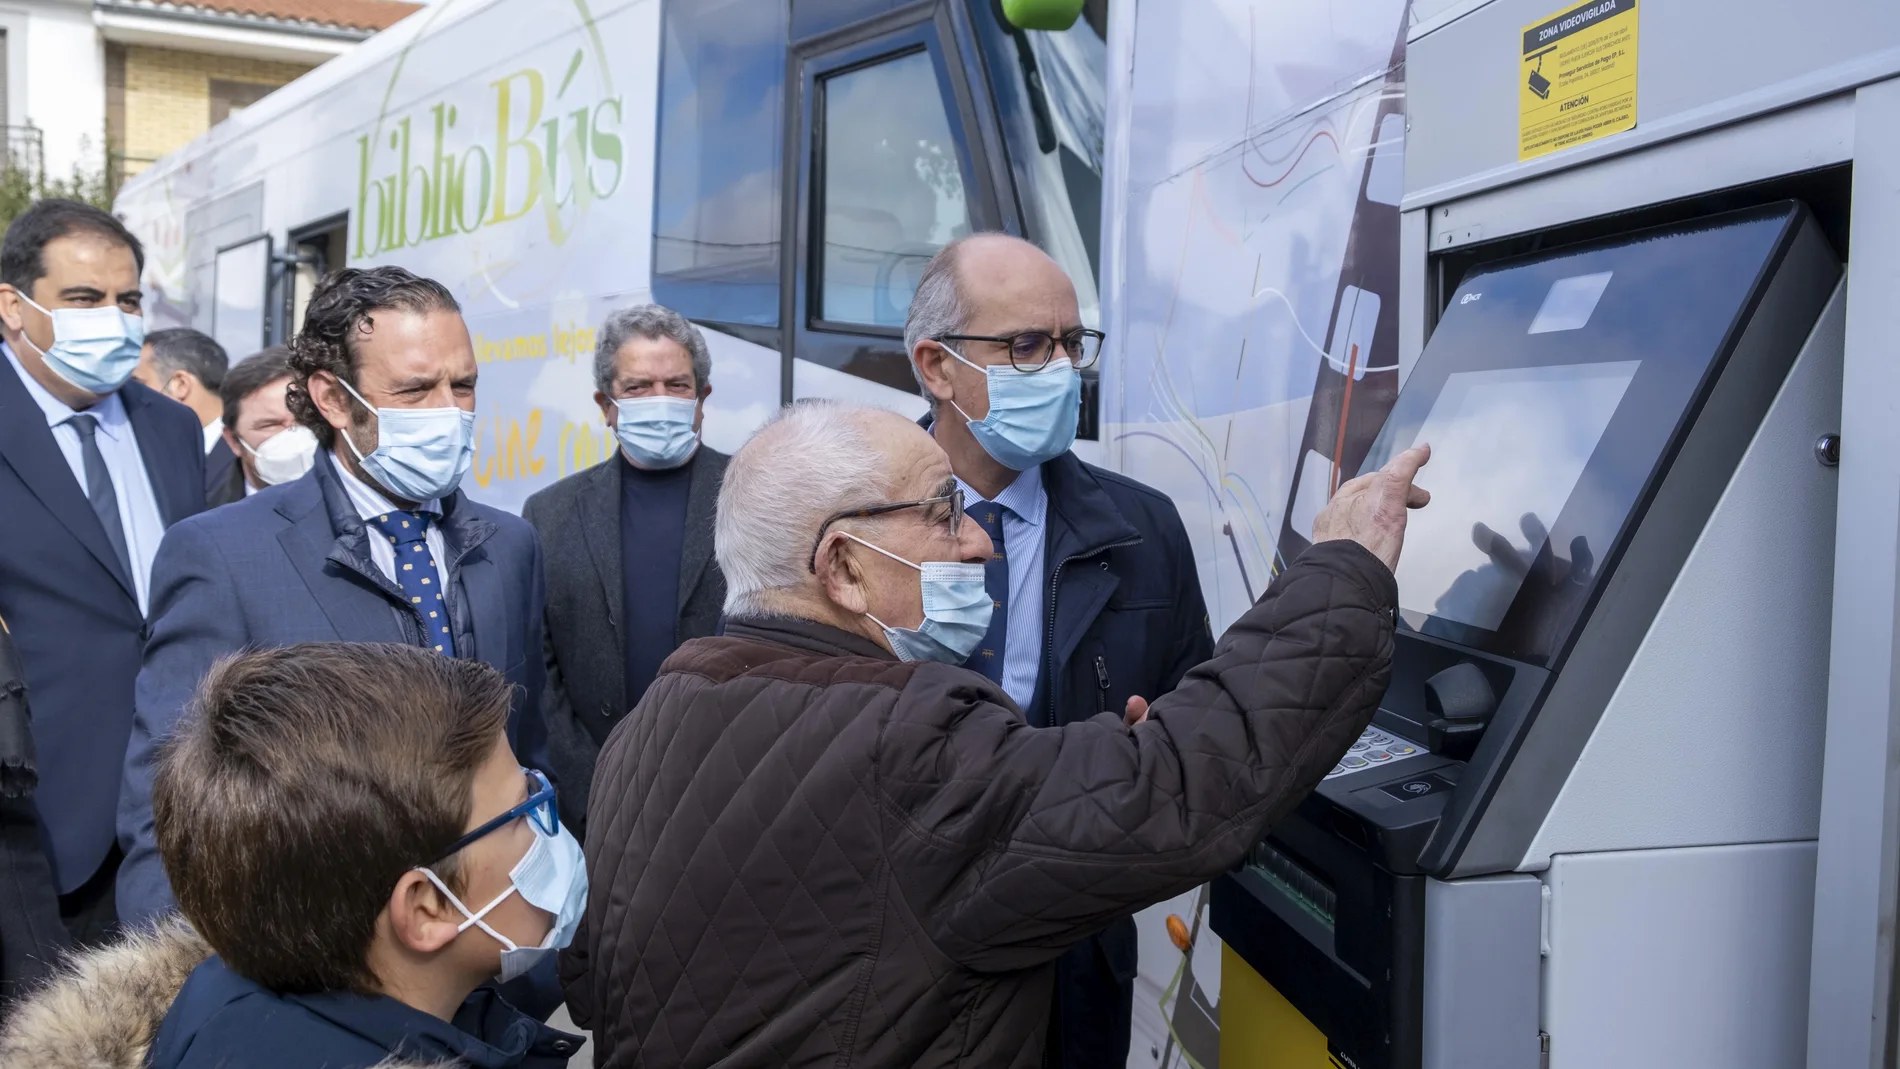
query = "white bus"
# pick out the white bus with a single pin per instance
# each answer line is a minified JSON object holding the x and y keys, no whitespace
{"x":1220,"y":178}
{"x":779,"y":172}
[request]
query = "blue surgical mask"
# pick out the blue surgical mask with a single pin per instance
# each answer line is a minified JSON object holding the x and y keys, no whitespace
{"x":1032,"y":415}
{"x":551,"y":877}
{"x":94,"y":349}
{"x":957,"y":609}
{"x":657,"y":432}
{"x":421,"y":453}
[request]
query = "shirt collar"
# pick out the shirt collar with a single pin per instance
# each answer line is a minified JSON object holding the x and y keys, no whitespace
{"x":1024,"y":497}
{"x":213,"y":431}
{"x":368,"y":501}
{"x":109,"y":410}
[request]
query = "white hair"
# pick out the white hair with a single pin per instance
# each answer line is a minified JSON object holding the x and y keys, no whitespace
{"x":812,"y":461}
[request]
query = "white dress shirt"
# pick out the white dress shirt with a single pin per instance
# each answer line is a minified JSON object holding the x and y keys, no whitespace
{"x":1025,"y":509}
{"x":214,"y":433}
{"x":138,"y":506}
{"x":370,"y":503}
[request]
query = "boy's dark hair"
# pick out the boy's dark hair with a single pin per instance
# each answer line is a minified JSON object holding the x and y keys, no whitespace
{"x":22,"y":262}
{"x":252,"y":374}
{"x":185,"y":349}
{"x":343,"y":306}
{"x":303,"y":783}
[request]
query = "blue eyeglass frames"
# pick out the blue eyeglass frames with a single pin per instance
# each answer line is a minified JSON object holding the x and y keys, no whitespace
{"x":539,"y":809}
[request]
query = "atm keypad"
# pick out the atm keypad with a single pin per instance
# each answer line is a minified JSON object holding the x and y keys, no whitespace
{"x":1374,"y":747}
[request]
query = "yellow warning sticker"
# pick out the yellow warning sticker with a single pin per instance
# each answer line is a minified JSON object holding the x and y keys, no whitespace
{"x":1578,"y":79}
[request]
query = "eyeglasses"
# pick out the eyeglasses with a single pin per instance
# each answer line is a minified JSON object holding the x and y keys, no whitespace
{"x":1032,"y":349}
{"x":954,"y":499}
{"x":539,"y":808}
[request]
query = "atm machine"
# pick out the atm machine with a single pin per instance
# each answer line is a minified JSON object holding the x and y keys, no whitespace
{"x":1581,"y":824}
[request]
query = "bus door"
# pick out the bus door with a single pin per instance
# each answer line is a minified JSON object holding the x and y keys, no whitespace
{"x":891,"y":158}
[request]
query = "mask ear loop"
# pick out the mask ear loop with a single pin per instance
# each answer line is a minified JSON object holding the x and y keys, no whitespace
{"x":968,"y":364}
{"x":475,"y":919}
{"x":43,"y":311}
{"x":887,"y":553}
{"x":351,"y":442}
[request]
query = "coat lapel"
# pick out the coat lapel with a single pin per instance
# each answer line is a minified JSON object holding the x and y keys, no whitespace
{"x":27,"y":445}
{"x":479,"y":582}
{"x":171,"y":486}
{"x":599,"y":506}
{"x":335,"y":574}
{"x":702,"y":502}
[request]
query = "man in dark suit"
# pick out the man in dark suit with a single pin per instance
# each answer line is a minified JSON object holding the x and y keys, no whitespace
{"x":93,"y":469}
{"x":629,"y":542}
{"x":269,"y":445}
{"x":188,"y":366}
{"x":1098,"y":603}
{"x":375,"y":544}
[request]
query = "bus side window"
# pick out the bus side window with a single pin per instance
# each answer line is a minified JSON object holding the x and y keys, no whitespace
{"x":718,"y":185}
{"x":893,"y":191}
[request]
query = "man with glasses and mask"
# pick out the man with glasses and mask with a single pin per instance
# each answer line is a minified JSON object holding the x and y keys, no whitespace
{"x":93,"y":468}
{"x":376,"y":543}
{"x":1098,"y":605}
{"x":828,"y":842}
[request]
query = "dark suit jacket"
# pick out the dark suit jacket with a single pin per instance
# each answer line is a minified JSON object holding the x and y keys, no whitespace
{"x":224,"y":476}
{"x":74,"y":613}
{"x":579,"y":522}
{"x":291,"y":564}
{"x":1127,"y":619}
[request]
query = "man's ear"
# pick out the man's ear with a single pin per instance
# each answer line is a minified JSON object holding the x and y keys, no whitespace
{"x":231,"y":441}
{"x":332,"y":400}
{"x":12,"y":308}
{"x":699,"y":408}
{"x":932,"y":361}
{"x":839,"y":574}
{"x":421,"y":916}
{"x":178,"y":386}
{"x":608,"y":410}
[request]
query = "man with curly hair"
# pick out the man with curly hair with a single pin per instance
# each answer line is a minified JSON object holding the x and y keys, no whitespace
{"x":375,"y":544}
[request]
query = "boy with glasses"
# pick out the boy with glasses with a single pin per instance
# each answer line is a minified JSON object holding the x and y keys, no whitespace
{"x":358,"y":852}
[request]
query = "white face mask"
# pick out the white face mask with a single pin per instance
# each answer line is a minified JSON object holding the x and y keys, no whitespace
{"x":552,"y":877}
{"x":957,"y":610}
{"x":421,"y":453}
{"x":94,"y":349}
{"x":284,"y":457}
{"x":657,"y":432}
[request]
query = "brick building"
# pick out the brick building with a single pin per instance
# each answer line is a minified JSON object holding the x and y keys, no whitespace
{"x":144,"y":77}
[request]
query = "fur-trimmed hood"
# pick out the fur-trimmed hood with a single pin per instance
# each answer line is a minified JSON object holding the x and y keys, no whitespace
{"x":103,"y":1007}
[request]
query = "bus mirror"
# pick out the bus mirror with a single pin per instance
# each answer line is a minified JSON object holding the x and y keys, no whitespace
{"x":1042,"y":14}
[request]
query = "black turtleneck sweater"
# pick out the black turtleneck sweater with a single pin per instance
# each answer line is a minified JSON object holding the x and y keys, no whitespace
{"x":652,"y":528}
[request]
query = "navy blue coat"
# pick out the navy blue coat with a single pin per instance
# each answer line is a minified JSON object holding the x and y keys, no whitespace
{"x":73,"y":611}
{"x":292,"y":564}
{"x":220,"y":1020}
{"x":1124,"y":617}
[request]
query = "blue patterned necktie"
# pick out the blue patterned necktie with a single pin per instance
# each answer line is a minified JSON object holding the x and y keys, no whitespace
{"x":418,"y":575}
{"x":988,"y":658}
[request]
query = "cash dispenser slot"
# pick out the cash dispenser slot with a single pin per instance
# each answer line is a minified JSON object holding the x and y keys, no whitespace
{"x":1586,"y":406}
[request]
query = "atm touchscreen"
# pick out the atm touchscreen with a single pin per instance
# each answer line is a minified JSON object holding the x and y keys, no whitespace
{"x":1551,"y":393}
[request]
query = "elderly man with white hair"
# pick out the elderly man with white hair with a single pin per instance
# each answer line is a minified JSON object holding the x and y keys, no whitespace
{"x":820,"y":840}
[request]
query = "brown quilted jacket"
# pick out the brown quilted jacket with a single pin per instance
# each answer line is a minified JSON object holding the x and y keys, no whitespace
{"x":804,"y":852}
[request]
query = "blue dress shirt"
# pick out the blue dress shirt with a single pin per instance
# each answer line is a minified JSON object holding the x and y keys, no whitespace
{"x":1025,"y":512}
